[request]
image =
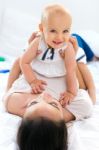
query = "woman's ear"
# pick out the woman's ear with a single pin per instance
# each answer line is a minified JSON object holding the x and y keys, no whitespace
{"x":41,"y":27}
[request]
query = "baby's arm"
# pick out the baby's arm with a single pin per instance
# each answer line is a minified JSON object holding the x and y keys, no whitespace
{"x":70,"y":64}
{"x":88,"y":80}
{"x":25,"y":61}
{"x":71,"y":80}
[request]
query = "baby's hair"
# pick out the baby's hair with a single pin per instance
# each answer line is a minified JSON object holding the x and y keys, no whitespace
{"x":54,"y":9}
{"x":42,"y":134}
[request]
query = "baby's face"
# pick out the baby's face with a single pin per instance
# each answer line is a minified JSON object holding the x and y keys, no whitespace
{"x":56,"y":30}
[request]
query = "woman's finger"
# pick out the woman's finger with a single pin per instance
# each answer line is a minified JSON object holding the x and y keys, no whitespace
{"x":62,"y":54}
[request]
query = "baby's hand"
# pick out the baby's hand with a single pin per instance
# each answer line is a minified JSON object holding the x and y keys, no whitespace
{"x":66,"y":98}
{"x":38,"y":86}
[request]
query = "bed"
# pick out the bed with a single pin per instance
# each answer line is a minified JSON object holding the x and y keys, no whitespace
{"x":83,"y":135}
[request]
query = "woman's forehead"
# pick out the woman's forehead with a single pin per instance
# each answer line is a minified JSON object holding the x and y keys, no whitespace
{"x":43,"y":111}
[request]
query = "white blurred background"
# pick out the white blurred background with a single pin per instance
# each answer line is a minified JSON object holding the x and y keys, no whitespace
{"x":19,"y":18}
{"x":85,"y":12}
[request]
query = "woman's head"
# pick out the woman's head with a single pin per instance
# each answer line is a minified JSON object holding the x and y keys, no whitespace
{"x":42,"y":133}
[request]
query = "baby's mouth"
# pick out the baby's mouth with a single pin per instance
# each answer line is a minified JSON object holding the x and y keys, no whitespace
{"x":57,"y":42}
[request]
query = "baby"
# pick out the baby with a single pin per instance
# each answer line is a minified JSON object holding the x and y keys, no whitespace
{"x":55,"y":33}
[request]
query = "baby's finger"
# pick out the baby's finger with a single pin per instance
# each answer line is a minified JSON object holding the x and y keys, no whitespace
{"x":38,"y":89}
{"x":35,"y":90}
{"x":61,"y":102}
{"x":69,"y":101}
{"x":64,"y":103}
{"x":39,"y":52}
{"x":44,"y":82}
{"x":62,"y":95}
{"x":61,"y":98}
{"x":62,"y":54}
{"x":42,"y":87}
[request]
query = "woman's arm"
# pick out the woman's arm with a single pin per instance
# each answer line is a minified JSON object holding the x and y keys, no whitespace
{"x":79,"y":75}
{"x":88,"y":80}
{"x":14,"y":74}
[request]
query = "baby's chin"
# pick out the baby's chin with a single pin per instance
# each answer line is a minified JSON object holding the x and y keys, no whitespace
{"x":60,"y":45}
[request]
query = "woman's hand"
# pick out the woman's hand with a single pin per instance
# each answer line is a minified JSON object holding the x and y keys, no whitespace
{"x":74,"y":43}
{"x":33,"y":36}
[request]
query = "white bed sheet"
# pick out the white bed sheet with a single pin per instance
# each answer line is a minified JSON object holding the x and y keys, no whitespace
{"x":83,"y":135}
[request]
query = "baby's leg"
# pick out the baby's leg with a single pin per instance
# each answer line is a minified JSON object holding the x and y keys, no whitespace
{"x":14,"y":74}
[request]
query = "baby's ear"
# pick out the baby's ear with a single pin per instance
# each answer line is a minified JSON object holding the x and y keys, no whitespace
{"x":41,"y":27}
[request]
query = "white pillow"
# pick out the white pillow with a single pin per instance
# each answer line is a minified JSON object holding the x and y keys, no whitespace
{"x":92,"y":39}
{"x":1,"y":16}
{"x":17,"y":27}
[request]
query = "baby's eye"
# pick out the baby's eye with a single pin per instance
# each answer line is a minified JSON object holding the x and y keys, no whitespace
{"x":65,"y":31}
{"x":52,"y":30}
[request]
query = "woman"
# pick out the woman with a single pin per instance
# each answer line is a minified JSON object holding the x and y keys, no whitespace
{"x":43,"y":116}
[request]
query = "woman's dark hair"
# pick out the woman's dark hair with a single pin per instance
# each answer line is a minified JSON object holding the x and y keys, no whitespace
{"x":42,"y":134}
